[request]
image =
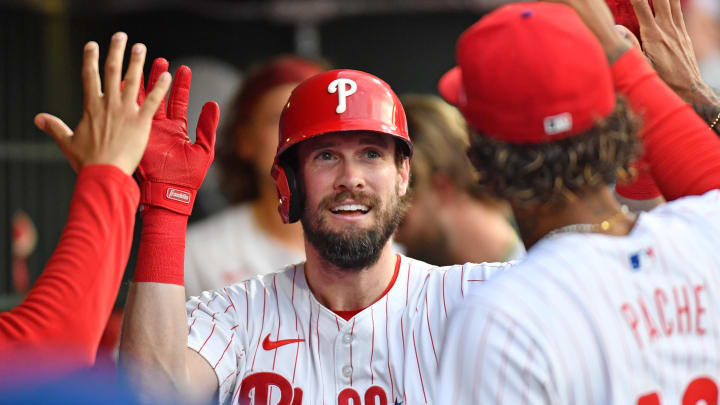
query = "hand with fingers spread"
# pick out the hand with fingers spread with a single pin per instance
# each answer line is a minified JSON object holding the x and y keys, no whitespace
{"x":667,"y":45}
{"x":114,"y":128}
{"x":173,"y":168}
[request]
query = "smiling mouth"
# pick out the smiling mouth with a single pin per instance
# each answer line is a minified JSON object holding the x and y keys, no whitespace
{"x":350,"y":209}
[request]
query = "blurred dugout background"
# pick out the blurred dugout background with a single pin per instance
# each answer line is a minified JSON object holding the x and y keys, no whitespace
{"x":408,"y":43}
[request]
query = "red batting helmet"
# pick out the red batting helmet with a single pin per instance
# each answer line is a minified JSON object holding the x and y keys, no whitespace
{"x":339,"y":100}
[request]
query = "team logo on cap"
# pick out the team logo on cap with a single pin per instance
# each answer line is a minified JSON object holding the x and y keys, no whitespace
{"x":344,"y":89}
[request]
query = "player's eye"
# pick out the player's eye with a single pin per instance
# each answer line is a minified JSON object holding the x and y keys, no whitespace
{"x":372,"y":154}
{"x":324,"y":155}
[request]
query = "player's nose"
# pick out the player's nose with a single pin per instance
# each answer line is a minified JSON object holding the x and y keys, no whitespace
{"x":349,"y":176}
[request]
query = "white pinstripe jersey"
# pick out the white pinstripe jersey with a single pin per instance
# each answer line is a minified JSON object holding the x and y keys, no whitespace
{"x":271,"y":342}
{"x":596,"y":319}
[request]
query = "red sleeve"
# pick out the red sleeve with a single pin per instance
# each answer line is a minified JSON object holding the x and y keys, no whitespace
{"x":682,"y":151}
{"x":71,"y":301}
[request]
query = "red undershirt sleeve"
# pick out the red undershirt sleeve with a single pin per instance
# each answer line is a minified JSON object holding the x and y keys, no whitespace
{"x":70,"y":303}
{"x":681,"y":150}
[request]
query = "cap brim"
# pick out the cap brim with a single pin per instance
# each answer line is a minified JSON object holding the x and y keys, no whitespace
{"x":450,"y":86}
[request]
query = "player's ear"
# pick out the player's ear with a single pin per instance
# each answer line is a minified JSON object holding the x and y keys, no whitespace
{"x":404,"y":176}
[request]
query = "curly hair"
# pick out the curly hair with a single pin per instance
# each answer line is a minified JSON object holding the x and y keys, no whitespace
{"x":554,"y":173}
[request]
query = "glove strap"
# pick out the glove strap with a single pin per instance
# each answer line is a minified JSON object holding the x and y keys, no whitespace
{"x":169,"y":196}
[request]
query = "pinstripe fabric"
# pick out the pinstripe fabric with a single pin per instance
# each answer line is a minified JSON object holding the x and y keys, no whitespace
{"x":595,"y":319}
{"x":387,"y":353}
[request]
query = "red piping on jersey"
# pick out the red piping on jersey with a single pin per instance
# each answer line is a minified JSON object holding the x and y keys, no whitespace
{"x":196,"y":308}
{"x":418,"y":364}
{"x":292,"y":302}
{"x":223,"y":353}
{"x":277,"y":306}
{"x":387,"y":341}
{"x":317,"y":330}
{"x":262,"y":326}
{"x":247,"y":307}
{"x":372,"y":346}
{"x":208,"y":338}
{"x":352,"y":330}
{"x":231,"y":301}
{"x":347,"y":315}
{"x":402,"y":326}
{"x":443,"y":290}
{"x":407,"y":287}
{"x":427,"y":317}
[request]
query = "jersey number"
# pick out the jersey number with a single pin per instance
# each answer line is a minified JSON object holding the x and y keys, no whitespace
{"x":699,"y":389}
{"x":373,"y":396}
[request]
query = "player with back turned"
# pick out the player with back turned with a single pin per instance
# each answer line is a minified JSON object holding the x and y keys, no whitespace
{"x":606,"y":308}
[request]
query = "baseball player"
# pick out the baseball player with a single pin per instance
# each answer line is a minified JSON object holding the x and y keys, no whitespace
{"x":606,"y":308}
{"x":354,"y":324}
{"x":61,"y":320}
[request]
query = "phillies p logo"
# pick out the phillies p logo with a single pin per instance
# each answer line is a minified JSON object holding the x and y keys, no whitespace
{"x":344,"y":88}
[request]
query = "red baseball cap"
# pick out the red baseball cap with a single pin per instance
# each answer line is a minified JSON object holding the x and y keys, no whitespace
{"x":530,"y":73}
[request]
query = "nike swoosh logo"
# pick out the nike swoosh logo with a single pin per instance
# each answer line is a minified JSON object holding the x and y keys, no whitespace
{"x":270,"y":345}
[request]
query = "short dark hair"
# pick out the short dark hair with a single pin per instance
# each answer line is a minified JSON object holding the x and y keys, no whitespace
{"x":553,"y":173}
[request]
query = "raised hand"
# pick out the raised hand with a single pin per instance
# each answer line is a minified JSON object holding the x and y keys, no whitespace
{"x":173,"y":168}
{"x":667,"y":46}
{"x":114,"y":127}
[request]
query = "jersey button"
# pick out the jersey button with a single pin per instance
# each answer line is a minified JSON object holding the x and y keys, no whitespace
{"x":347,"y":371}
{"x":347,"y":338}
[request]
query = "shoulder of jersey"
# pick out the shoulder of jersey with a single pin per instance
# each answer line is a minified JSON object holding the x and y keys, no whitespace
{"x":264,"y":281}
{"x":694,"y":204}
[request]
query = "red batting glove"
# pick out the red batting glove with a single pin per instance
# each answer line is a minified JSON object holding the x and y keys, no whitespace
{"x":172,"y":168}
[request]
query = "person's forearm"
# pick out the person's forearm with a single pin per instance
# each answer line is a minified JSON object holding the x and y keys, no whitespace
{"x":70,"y":303}
{"x":683,"y":154}
{"x":154,"y":339}
{"x":154,"y":336}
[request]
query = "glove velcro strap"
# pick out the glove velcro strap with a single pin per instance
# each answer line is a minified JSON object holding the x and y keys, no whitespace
{"x":169,"y":196}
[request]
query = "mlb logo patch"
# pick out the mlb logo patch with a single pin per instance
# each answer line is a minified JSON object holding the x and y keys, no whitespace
{"x":641,"y":258}
{"x":556,"y":124}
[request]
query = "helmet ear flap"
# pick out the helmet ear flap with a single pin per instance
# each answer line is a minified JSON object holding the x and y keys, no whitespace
{"x":290,"y":198}
{"x":296,"y":195}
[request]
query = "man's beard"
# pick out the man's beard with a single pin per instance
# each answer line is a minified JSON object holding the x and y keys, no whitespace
{"x":353,"y":249}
